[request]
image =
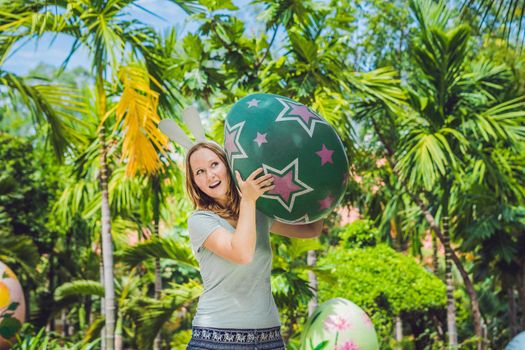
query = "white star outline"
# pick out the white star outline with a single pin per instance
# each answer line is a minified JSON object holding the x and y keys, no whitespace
{"x":302,"y":220}
{"x":309,"y":129}
{"x":306,"y":188}
{"x":243,"y":154}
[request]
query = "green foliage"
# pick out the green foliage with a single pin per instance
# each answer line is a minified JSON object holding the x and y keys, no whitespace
{"x":359,"y":234}
{"x":165,"y":248}
{"x":41,"y":340}
{"x":289,"y":279}
{"x":155,"y":313}
{"x":180,"y":340}
{"x":449,"y":116}
{"x":24,"y":201}
{"x":381,"y":281}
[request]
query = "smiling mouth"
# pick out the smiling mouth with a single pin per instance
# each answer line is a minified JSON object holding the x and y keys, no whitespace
{"x":216,"y":185}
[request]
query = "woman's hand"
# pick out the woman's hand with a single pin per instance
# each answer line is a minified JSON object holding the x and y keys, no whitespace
{"x":253,"y":188}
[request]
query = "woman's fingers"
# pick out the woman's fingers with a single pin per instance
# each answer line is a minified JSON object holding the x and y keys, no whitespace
{"x":266,"y":183}
{"x":268,"y":188}
{"x":238,"y":176}
{"x":264,"y":179}
{"x":254,"y":174}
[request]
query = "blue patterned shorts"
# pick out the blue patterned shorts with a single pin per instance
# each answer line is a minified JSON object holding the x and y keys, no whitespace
{"x":236,"y":339}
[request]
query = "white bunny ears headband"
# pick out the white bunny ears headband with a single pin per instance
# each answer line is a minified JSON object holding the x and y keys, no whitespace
{"x":191,"y":118}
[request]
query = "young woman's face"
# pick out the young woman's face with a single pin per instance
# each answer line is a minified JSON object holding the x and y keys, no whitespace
{"x":210,"y":174}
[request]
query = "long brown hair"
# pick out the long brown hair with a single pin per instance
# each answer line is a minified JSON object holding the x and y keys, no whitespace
{"x":200,"y":199}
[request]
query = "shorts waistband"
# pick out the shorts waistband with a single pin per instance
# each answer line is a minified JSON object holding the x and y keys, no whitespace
{"x":239,"y":336}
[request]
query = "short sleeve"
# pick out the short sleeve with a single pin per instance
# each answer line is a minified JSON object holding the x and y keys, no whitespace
{"x":200,"y":226}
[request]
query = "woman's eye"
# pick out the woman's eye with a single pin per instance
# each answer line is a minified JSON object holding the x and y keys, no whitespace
{"x":198,"y":172}
{"x":214,"y":164}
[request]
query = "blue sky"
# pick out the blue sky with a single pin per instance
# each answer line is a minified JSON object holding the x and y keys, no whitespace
{"x":54,"y":49}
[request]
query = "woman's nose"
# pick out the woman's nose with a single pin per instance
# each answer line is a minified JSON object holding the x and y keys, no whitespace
{"x":211,"y":175}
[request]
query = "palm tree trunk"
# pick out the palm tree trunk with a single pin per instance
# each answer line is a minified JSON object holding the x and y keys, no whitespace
{"x":51,"y":279}
{"x":399,"y":333}
{"x":119,"y":343}
{"x":311,"y":260}
{"x":158,"y":293}
{"x":158,"y":277}
{"x":513,"y":322}
{"x":474,"y":303}
{"x":451,"y":304}
{"x":63,"y":321}
{"x":102,"y":309}
{"x":435,"y":259}
{"x":107,"y":244}
{"x":521,"y":293}
{"x":107,"y":250}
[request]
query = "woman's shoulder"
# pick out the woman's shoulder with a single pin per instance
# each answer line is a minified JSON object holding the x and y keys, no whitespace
{"x":203,"y":213}
{"x":200,"y":219}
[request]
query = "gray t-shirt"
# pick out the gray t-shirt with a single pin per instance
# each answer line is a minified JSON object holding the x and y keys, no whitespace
{"x":235,"y":296}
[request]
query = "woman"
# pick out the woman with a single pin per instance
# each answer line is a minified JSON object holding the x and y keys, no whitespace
{"x":230,"y":240}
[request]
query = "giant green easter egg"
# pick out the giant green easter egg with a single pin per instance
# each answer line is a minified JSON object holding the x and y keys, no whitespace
{"x":295,"y":144}
{"x":341,"y":325}
{"x":12,"y":307}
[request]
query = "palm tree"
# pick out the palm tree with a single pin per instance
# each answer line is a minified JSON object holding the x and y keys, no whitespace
{"x":448,"y":123}
{"x":504,"y":15}
{"x":100,"y":27}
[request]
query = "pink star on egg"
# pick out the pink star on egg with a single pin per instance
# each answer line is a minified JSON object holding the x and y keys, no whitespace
{"x":232,"y":144}
{"x":288,"y":186}
{"x":326,"y":202}
{"x":260,"y":139}
{"x":296,"y":112}
{"x":326,"y":155}
{"x":303,"y":112}
{"x":229,"y":142}
{"x":284,"y":185}
{"x":253,"y":103}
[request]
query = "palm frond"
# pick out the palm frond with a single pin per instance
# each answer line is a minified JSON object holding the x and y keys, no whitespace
{"x":137,"y":110}
{"x":430,"y":14}
{"x":503,"y":122}
{"x":425,"y":157}
{"x":79,"y":288}
{"x":502,"y":16}
{"x":124,"y":195}
{"x":163,"y":248}
{"x":381,"y":85}
{"x":73,"y":199}
{"x":189,"y":6}
{"x":33,"y":22}
{"x":52,"y":106}
{"x":94,"y":330}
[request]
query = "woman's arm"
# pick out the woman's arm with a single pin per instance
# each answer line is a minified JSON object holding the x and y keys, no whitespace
{"x":311,"y":230}
{"x":239,"y":247}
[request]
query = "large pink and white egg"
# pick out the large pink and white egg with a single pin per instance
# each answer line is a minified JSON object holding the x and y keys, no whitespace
{"x":341,"y":325}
